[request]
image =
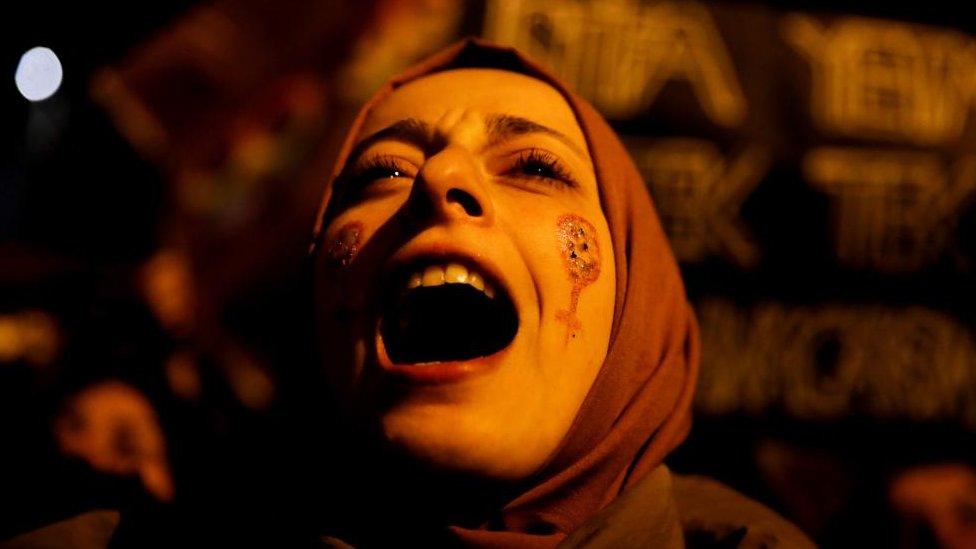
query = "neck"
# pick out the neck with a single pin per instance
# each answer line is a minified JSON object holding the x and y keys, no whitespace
{"x":383,"y":495}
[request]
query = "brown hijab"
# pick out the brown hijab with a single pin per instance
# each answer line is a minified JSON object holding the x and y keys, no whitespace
{"x":638,"y":408}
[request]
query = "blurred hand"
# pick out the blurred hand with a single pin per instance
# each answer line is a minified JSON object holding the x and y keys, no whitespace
{"x":114,"y":428}
{"x":939,"y":499}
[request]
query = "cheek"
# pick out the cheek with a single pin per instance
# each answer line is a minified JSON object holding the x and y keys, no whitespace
{"x":343,"y":244}
{"x":337,"y":301}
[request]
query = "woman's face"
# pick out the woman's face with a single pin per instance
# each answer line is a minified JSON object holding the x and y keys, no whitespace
{"x":465,"y":283}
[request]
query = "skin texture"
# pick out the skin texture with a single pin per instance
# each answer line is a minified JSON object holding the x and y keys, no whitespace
{"x":458,"y":184}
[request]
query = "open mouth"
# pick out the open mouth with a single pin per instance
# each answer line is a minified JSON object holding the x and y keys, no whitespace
{"x":444,"y":313}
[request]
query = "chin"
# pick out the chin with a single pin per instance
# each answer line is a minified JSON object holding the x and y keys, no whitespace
{"x":457,"y":441}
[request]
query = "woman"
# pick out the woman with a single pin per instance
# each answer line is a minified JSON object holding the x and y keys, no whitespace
{"x":504,"y":325}
{"x":504,"y":328}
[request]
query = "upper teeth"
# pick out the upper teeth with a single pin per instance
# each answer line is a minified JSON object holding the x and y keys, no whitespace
{"x":450,"y":273}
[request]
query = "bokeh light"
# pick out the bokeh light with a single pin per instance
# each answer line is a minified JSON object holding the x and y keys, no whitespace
{"x":38,"y":74}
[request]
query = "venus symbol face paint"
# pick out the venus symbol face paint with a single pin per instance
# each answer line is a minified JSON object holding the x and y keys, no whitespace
{"x":344,"y":246}
{"x":581,"y":259}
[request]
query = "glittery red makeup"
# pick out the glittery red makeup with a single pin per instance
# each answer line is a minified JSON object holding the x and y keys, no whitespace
{"x":344,"y":246}
{"x":581,"y":259}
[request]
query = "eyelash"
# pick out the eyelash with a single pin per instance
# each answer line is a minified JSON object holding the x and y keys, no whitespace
{"x":376,"y":168}
{"x":542,"y":165}
{"x":533,"y":164}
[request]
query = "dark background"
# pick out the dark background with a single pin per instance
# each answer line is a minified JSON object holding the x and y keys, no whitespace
{"x":827,"y":375}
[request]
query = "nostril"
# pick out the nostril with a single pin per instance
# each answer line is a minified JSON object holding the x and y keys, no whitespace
{"x":468,"y":202}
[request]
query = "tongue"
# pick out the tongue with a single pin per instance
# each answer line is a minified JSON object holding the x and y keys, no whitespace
{"x":447,"y":323}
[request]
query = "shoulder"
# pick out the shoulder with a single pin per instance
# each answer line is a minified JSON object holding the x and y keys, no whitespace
{"x":91,"y":530}
{"x":673,"y":511}
{"x":713,"y":514}
{"x":644,"y":515}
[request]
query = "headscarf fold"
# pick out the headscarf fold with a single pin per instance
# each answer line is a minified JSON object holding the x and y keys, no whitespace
{"x":639,"y":407}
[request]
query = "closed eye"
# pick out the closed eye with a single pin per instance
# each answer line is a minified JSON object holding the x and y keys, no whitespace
{"x":371,"y":177}
{"x":378,"y":168}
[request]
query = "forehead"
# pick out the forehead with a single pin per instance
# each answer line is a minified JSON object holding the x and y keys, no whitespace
{"x":478,"y":92}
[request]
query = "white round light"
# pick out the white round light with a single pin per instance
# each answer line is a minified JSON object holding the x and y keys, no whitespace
{"x":38,"y":74}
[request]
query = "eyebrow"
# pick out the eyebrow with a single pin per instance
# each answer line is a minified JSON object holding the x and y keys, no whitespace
{"x":499,"y":127}
{"x":502,"y":127}
{"x":409,"y":130}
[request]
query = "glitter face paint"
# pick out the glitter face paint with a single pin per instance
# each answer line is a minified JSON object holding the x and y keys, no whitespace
{"x":581,"y":259}
{"x":344,"y":246}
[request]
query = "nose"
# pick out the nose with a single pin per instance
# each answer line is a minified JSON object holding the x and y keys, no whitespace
{"x":450,"y":187}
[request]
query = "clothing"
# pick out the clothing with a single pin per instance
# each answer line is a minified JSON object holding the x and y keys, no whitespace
{"x":665,"y":510}
{"x":638,"y":408}
{"x":661,"y":511}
